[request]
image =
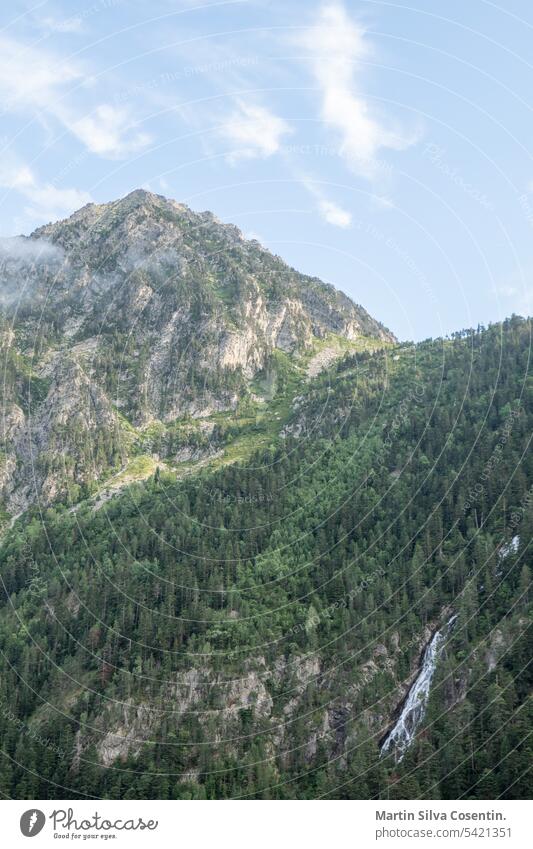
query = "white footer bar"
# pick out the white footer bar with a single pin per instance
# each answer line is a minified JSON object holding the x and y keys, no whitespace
{"x":258,"y":824}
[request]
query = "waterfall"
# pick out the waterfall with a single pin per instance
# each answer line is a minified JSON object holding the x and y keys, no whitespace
{"x":414,"y":707}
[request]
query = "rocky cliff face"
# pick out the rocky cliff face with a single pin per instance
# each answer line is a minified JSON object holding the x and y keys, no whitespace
{"x":134,"y":312}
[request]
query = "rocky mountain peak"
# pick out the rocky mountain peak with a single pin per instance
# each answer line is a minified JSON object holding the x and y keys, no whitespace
{"x":147,"y":242}
{"x":161,"y":313}
{"x":115,"y":225}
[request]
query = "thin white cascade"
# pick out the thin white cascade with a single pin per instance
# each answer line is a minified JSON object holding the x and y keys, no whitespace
{"x":414,"y":708}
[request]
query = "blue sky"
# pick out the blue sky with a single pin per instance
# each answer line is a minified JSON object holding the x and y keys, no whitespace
{"x":383,"y":146}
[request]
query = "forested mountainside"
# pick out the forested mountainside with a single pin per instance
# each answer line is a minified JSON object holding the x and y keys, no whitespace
{"x":253,"y":627}
{"x":130,"y":331}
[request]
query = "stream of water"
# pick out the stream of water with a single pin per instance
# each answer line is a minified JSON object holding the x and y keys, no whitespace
{"x":414,"y":708}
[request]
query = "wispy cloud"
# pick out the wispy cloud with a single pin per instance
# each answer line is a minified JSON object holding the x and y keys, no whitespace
{"x":335,"y":214}
{"x":19,"y":258}
{"x":517,"y":295}
{"x":46,"y":202}
{"x":254,"y":130}
{"x":108,"y":131}
{"x":331,"y":212}
{"x":31,"y":78}
{"x":30,"y":251}
{"x":37,"y":82}
{"x":336,"y":46}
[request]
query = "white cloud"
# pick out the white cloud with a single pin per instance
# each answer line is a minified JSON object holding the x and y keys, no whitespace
{"x":508,"y":291}
{"x":49,"y":202}
{"x":337,"y":47}
{"x":514,"y":292}
{"x":21,"y":249}
{"x":46,"y":202}
{"x":19,"y":177}
{"x":35,"y":81}
{"x":19,"y":257}
{"x":252,"y":235}
{"x":331,"y":212}
{"x":107,"y":131}
{"x":30,"y":77}
{"x":334,"y":214}
{"x":256,"y":132}
{"x":517,"y":296}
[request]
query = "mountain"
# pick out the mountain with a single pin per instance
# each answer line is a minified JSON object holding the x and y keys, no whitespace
{"x":139,"y":314}
{"x":303,"y":572}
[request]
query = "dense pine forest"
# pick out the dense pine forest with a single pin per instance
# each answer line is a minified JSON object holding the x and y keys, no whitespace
{"x":251,"y":629}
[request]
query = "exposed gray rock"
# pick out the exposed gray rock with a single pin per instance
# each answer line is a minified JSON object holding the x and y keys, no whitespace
{"x":145,"y":307}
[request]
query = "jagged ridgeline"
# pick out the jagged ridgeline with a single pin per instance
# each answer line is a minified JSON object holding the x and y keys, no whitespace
{"x":128,"y":327}
{"x":243,"y":600}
